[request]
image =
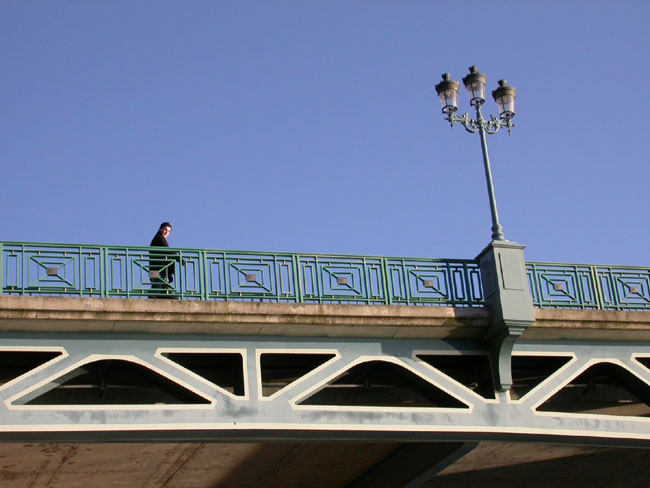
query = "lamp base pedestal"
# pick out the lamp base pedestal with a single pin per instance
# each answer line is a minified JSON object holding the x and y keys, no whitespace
{"x":506,"y":294}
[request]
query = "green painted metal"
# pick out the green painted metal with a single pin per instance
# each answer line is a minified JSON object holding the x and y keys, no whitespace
{"x":484,"y":127}
{"x":125,"y":272}
{"x":589,"y":287}
{"x":99,"y":271}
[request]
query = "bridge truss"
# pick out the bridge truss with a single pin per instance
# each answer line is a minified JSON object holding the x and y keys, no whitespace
{"x":93,"y":387}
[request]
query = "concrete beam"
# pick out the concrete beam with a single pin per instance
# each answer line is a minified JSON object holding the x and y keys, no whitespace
{"x":555,"y":324}
{"x":55,"y":314}
{"x":47,"y":314}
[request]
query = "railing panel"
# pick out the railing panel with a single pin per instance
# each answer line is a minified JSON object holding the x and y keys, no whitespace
{"x":624,"y":288}
{"x":342,"y":279}
{"x":434,"y":282}
{"x":43,"y":269}
{"x":258,"y":277}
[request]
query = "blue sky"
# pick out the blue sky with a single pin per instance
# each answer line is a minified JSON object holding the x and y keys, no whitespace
{"x":315,"y":126}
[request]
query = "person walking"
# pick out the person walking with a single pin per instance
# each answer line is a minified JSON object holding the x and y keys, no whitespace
{"x":162,"y":264}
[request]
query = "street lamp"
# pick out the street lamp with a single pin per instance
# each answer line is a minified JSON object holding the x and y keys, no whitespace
{"x":502,"y":263}
{"x":504,"y":96}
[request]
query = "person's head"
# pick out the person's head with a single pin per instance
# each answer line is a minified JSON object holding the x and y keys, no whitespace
{"x":165,"y":228}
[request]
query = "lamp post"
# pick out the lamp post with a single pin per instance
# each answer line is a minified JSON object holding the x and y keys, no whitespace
{"x":504,"y":96}
{"x":502,"y":263}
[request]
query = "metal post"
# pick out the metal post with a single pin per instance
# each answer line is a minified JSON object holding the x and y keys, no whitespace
{"x":497,"y":230}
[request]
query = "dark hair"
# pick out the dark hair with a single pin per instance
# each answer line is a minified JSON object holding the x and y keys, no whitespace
{"x":165,"y":224}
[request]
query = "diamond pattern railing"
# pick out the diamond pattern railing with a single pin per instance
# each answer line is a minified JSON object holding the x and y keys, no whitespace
{"x":589,"y":287}
{"x":131,"y":272}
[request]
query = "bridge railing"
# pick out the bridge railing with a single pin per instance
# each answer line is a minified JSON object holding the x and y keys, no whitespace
{"x":589,"y":287}
{"x":143,"y":272}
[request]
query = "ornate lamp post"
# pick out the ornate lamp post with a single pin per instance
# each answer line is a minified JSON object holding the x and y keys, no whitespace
{"x":504,"y":96}
{"x":503,"y":269}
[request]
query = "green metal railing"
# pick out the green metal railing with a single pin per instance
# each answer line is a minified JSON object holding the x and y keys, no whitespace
{"x":143,"y":272}
{"x":140,"y":272}
{"x":589,"y":287}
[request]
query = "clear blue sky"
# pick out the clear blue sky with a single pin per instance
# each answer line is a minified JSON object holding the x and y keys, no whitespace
{"x":315,"y":127}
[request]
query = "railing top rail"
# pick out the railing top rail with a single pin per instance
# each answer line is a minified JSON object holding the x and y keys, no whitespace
{"x":586,"y":265}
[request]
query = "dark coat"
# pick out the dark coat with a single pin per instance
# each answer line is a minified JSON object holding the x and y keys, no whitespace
{"x":163,"y":261}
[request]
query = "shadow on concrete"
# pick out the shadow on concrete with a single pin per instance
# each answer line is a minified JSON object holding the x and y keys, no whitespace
{"x":605,"y":468}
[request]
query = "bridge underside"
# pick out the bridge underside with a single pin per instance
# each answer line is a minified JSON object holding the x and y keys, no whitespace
{"x":331,"y":465}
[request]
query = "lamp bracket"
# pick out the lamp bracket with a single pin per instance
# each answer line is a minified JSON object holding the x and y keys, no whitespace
{"x":473,"y":126}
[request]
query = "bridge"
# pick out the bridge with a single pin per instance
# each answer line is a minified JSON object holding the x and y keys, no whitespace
{"x":347,"y":369}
